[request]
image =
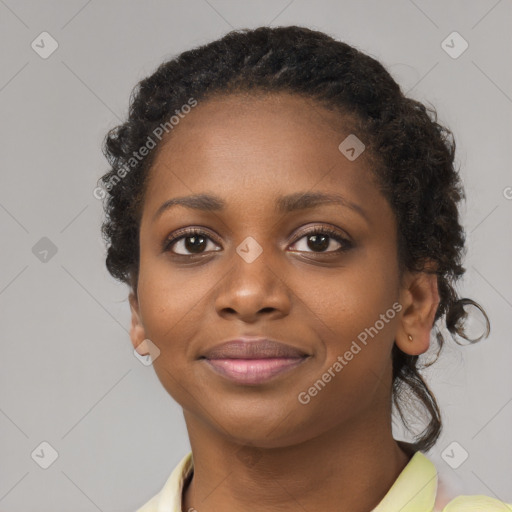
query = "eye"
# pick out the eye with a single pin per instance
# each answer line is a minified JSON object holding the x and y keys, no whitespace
{"x":319,"y":239}
{"x":193,"y":240}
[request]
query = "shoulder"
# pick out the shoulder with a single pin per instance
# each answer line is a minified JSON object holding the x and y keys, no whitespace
{"x":477,"y":503}
{"x":169,"y":497}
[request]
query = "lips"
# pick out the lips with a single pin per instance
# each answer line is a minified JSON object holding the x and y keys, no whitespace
{"x":253,"y":348}
{"x":253,"y":361}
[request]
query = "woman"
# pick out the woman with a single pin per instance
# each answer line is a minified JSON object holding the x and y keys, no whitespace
{"x":287,"y":222}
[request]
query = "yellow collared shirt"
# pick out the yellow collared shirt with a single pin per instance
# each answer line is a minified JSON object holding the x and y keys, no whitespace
{"x":415,"y":490}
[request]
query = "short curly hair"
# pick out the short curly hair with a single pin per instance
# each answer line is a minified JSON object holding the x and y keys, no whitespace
{"x":412,"y":156}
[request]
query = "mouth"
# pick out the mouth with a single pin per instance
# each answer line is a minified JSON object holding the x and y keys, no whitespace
{"x":254,"y":371}
{"x":250,"y":360}
{"x":253,"y":348}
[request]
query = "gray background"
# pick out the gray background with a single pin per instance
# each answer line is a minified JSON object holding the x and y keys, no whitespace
{"x":68,"y":373}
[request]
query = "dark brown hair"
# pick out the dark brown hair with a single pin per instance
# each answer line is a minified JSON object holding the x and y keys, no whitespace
{"x":412,"y":156}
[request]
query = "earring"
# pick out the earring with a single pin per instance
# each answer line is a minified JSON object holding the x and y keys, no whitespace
{"x":410,"y":337}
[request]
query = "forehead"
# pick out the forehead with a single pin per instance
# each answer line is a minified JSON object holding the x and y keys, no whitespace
{"x":231,"y":117}
{"x":257,"y":142}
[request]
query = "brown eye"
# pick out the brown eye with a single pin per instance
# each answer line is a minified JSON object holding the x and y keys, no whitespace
{"x":319,"y":239}
{"x":194,"y":241}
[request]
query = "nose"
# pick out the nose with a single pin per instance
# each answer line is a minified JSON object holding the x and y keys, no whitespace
{"x":253,"y":290}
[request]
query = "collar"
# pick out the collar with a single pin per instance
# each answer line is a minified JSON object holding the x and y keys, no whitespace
{"x":414,"y":490}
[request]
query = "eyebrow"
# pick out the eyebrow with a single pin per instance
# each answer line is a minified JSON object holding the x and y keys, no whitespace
{"x":284,"y":204}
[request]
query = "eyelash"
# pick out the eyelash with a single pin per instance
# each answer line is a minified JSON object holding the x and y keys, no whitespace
{"x":315,"y":230}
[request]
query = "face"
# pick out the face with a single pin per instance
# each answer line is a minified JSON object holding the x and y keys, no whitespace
{"x":252,"y":268}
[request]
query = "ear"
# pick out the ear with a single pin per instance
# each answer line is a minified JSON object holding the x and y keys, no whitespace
{"x":137,"y":331}
{"x":419,"y":297}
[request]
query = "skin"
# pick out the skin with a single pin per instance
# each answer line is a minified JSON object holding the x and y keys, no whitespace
{"x":256,"y":447}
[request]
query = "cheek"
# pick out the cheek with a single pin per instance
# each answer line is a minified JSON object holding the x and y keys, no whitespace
{"x":164,"y":316}
{"x":352,"y":311}
{"x":356,"y":324}
{"x":348,"y":300}
{"x":173,"y":303}
{"x":168,"y":300}
{"x":167,"y":312}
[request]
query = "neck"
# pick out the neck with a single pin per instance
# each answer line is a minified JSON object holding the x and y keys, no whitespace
{"x":343,"y":469}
